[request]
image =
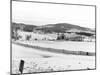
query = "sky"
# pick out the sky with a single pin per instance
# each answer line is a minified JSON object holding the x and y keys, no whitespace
{"x":44,"y":13}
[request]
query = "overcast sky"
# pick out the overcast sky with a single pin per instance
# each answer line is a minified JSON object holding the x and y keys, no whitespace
{"x":43,"y":13}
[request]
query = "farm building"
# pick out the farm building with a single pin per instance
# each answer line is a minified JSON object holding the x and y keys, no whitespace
{"x":74,"y":37}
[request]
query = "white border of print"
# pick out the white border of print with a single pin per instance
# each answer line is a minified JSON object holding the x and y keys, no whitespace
{"x":5,"y":42}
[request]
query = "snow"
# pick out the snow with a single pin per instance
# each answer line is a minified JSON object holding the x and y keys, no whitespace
{"x":66,"y":45}
{"x":36,"y":62}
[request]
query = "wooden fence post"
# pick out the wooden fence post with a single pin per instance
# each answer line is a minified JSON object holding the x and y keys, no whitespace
{"x":21,"y":66}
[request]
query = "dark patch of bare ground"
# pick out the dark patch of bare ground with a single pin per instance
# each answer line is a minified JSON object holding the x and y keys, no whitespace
{"x":57,"y":50}
{"x":46,"y":56}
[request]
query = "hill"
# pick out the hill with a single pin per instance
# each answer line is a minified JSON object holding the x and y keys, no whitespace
{"x":23,"y":26}
{"x":49,"y":28}
{"x":62,"y":28}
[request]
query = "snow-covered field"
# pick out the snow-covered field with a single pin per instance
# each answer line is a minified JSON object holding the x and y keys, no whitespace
{"x":67,"y":45}
{"x":43,"y":61}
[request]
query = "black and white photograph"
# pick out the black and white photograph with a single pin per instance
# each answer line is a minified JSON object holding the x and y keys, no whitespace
{"x":52,"y":37}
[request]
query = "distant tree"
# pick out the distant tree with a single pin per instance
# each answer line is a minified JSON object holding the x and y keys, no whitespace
{"x":28,"y":37}
{"x":84,"y":33}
